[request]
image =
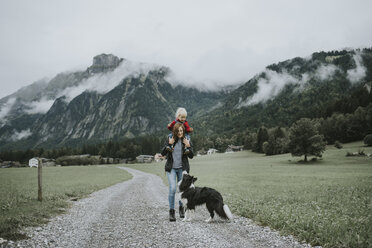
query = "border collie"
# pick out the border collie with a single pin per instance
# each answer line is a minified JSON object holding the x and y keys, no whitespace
{"x":192,"y":196}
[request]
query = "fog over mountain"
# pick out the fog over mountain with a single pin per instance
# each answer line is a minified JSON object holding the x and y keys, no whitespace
{"x":117,"y":98}
{"x":273,"y":82}
{"x":58,"y":86}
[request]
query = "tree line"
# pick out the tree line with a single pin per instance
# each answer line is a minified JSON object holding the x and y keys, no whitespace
{"x":125,"y":148}
{"x":304,"y":137}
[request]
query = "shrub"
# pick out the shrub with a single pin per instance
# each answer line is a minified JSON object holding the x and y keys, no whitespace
{"x":368,"y":140}
{"x":338,"y":144}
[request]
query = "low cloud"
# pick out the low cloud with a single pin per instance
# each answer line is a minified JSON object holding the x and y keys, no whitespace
{"x":268,"y":87}
{"x":41,"y":106}
{"x":325,"y":72}
{"x":273,"y":82}
{"x":104,"y":82}
{"x":20,"y":135}
{"x":5,"y":110}
{"x":359,"y":72}
{"x":200,"y":84}
{"x":101,"y":83}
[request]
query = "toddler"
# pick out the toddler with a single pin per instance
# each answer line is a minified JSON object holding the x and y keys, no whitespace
{"x":181,"y":115}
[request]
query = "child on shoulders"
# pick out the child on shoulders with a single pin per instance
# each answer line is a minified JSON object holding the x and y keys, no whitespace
{"x":181,"y":116}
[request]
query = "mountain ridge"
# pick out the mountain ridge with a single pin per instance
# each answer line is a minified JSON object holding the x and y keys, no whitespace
{"x":124,"y":104}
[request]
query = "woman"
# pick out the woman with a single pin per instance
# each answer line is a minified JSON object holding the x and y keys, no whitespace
{"x":177,"y":163}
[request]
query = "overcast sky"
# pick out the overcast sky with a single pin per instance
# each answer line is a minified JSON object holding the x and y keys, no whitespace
{"x":212,"y":41}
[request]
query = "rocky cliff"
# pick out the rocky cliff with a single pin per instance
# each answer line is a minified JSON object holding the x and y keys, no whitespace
{"x":138,"y":103}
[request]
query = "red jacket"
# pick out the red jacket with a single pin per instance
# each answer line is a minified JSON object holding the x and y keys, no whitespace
{"x":186,"y":125}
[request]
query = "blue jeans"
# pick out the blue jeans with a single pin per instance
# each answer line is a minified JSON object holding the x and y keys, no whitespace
{"x":172,"y":176}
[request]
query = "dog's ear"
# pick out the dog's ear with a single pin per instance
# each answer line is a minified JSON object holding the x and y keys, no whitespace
{"x":194,"y":179}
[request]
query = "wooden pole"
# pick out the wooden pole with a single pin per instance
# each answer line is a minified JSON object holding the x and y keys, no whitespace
{"x":39,"y":173}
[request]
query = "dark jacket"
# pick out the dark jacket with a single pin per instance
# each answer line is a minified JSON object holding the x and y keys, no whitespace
{"x":185,"y":160}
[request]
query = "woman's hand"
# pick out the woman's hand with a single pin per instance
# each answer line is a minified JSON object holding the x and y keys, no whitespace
{"x":171,"y":141}
{"x":186,"y":142}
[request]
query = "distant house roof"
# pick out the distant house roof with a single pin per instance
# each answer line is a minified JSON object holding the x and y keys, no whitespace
{"x":232,"y":148}
{"x":212,"y":150}
{"x":235,"y":147}
{"x":144,"y":158}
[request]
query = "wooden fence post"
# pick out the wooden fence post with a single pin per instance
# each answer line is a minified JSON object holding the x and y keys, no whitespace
{"x":39,"y":174}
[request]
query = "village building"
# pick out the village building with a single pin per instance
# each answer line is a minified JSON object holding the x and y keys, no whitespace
{"x":212,"y":151}
{"x":145,"y":158}
{"x":232,"y":148}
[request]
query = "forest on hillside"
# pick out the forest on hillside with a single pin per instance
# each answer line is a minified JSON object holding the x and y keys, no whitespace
{"x":339,"y":110}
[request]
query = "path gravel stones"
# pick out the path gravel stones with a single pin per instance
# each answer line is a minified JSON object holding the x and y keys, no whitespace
{"x":135,"y":214}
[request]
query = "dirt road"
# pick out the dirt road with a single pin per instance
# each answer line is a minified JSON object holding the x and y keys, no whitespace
{"x":135,"y":214}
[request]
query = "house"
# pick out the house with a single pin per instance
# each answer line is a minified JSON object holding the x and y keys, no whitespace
{"x":145,"y":158}
{"x":212,"y":151}
{"x":201,"y":152}
{"x":232,"y":148}
{"x":33,"y":162}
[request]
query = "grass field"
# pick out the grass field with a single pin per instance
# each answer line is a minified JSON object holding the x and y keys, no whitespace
{"x":18,"y":193}
{"x":327,"y":202}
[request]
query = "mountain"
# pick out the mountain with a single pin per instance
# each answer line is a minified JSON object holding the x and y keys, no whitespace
{"x":313,"y":87}
{"x":115,"y":98}
{"x":112,"y":99}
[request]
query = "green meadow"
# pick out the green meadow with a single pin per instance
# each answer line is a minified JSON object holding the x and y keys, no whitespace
{"x":18,"y":193}
{"x":326,"y":202}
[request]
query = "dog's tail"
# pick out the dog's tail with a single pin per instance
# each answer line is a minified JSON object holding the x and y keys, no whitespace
{"x":227,"y":211}
{"x":224,"y":212}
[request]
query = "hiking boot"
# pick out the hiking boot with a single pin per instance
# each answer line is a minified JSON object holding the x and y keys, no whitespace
{"x":171,"y":215}
{"x":182,"y":212}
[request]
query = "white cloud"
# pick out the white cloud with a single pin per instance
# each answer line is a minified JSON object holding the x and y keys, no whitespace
{"x":104,"y":82}
{"x":325,"y":72}
{"x":359,"y":72}
{"x":5,"y":109}
{"x":269,"y":87}
{"x":41,"y":106}
{"x":20,"y":135}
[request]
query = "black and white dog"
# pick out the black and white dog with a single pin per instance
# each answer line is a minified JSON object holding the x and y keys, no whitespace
{"x":192,"y":196}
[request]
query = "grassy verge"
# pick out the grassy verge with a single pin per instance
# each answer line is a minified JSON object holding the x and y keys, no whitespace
{"x":328,"y":202}
{"x":18,"y":196}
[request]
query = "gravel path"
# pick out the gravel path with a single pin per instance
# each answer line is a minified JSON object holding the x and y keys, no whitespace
{"x":135,"y":214}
